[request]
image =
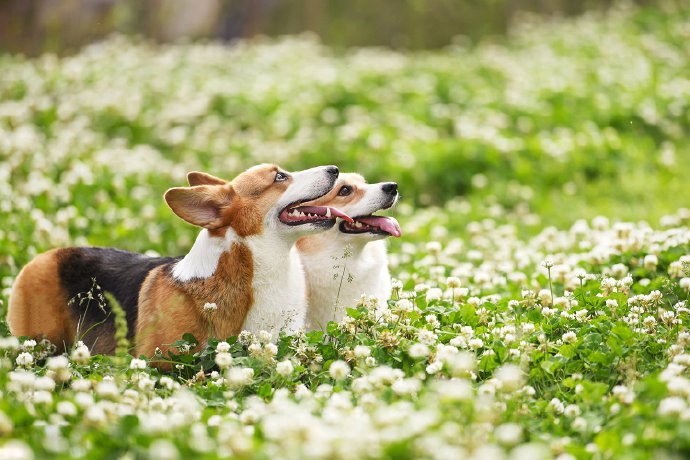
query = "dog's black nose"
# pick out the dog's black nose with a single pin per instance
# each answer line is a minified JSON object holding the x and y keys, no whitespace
{"x":333,"y":170}
{"x":390,"y":187}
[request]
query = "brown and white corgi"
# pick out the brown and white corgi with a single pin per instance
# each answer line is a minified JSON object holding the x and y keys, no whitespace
{"x":243,"y":261}
{"x":365,"y":268}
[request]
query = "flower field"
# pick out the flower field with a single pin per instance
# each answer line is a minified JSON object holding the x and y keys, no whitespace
{"x":541,"y":286}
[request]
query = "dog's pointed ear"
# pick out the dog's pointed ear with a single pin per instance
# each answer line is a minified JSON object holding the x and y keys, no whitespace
{"x":201,"y":205}
{"x":202,"y":178}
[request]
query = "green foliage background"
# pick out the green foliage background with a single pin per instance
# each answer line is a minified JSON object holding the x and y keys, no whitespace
{"x":561,"y":121}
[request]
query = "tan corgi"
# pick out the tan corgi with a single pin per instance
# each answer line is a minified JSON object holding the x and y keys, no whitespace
{"x":335,"y":282}
{"x":243,"y":261}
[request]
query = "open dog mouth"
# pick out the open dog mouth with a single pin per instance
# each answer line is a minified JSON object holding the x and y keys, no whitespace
{"x":294,"y":214}
{"x":380,"y":225}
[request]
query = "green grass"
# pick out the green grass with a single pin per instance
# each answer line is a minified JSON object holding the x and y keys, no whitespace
{"x":499,"y":149}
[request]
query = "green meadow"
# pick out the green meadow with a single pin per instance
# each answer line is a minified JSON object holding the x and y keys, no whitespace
{"x":541,"y":285}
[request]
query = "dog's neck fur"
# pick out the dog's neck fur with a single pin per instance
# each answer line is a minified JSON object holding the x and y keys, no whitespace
{"x":279,"y":287}
{"x":202,"y":260}
{"x":278,"y":301}
{"x":328,"y":295}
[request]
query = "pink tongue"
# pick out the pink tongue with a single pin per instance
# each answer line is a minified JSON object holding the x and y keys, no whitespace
{"x":321,"y":211}
{"x":387,"y":224}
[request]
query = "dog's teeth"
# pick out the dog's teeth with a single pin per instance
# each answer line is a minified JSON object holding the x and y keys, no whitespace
{"x":328,"y":212}
{"x":301,"y":214}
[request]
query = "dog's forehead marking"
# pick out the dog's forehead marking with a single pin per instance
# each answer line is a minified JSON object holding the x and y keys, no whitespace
{"x":353,"y":179}
{"x":255,"y":179}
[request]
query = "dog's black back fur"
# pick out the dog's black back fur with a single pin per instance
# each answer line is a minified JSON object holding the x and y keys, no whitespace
{"x":118,"y":272}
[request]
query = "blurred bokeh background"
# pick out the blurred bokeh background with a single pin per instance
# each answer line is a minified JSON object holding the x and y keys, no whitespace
{"x":35,"y":26}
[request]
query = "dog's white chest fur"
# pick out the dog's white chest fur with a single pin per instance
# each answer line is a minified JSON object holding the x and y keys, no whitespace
{"x":365,"y":272}
{"x":279,"y":287}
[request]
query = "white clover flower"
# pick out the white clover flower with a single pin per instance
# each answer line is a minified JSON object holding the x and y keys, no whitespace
{"x":339,"y":370}
{"x":434,"y":294}
{"x":245,"y":338}
{"x":66,"y":408}
{"x":210,"y":307}
{"x":434,"y":247}
{"x":42,"y":397}
{"x":84,"y":400}
{"x":432,"y":321}
{"x":223,"y":360}
{"x":81,"y":354}
{"x":426,"y":337}
{"x":44,"y":383}
{"x":459,"y":341}
{"x":508,"y":434}
{"x":271,"y":349}
{"x":15,"y":449}
{"x":29,"y":344}
{"x":107,"y":389}
{"x":623,"y":394}
{"x":418,"y":350}
{"x":474,"y":301}
{"x":557,"y":406}
{"x":581,"y":315}
{"x":476,"y":343}
{"x":454,"y":390}
{"x":81,"y":385}
{"x":461,"y":293}
{"x":370,"y":361}
{"x":240,"y":376}
{"x":453,"y":282}
{"x":265,"y":337}
{"x":362,"y":351}
{"x":672,"y":405}
{"x":396,"y":285}
{"x":675,"y":269}
{"x":9,"y":343}
{"x":548,"y":312}
{"x":650,"y":262}
{"x":284,"y":368}
{"x":163,"y":449}
{"x":510,"y":376}
{"x":409,"y":386}
{"x":404,"y":305}
{"x":24,"y":359}
{"x":545,"y":297}
{"x":222,"y":347}
{"x":528,"y":328}
{"x":579,"y":424}
{"x":569,"y":337}
{"x":619,"y":270}
{"x":685,"y":284}
{"x":572,"y":411}
{"x":421,"y":288}
{"x":434,"y":367}
{"x":137,"y":363}
{"x":57,"y":363}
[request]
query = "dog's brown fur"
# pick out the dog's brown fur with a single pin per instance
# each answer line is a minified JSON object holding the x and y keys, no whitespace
{"x":168,"y":309}
{"x":39,"y":304}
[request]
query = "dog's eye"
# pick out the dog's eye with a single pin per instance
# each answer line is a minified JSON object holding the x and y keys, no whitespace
{"x":280,"y":177}
{"x":345,"y":190}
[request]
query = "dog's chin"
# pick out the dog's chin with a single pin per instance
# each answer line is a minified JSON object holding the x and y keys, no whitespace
{"x":307,"y":228}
